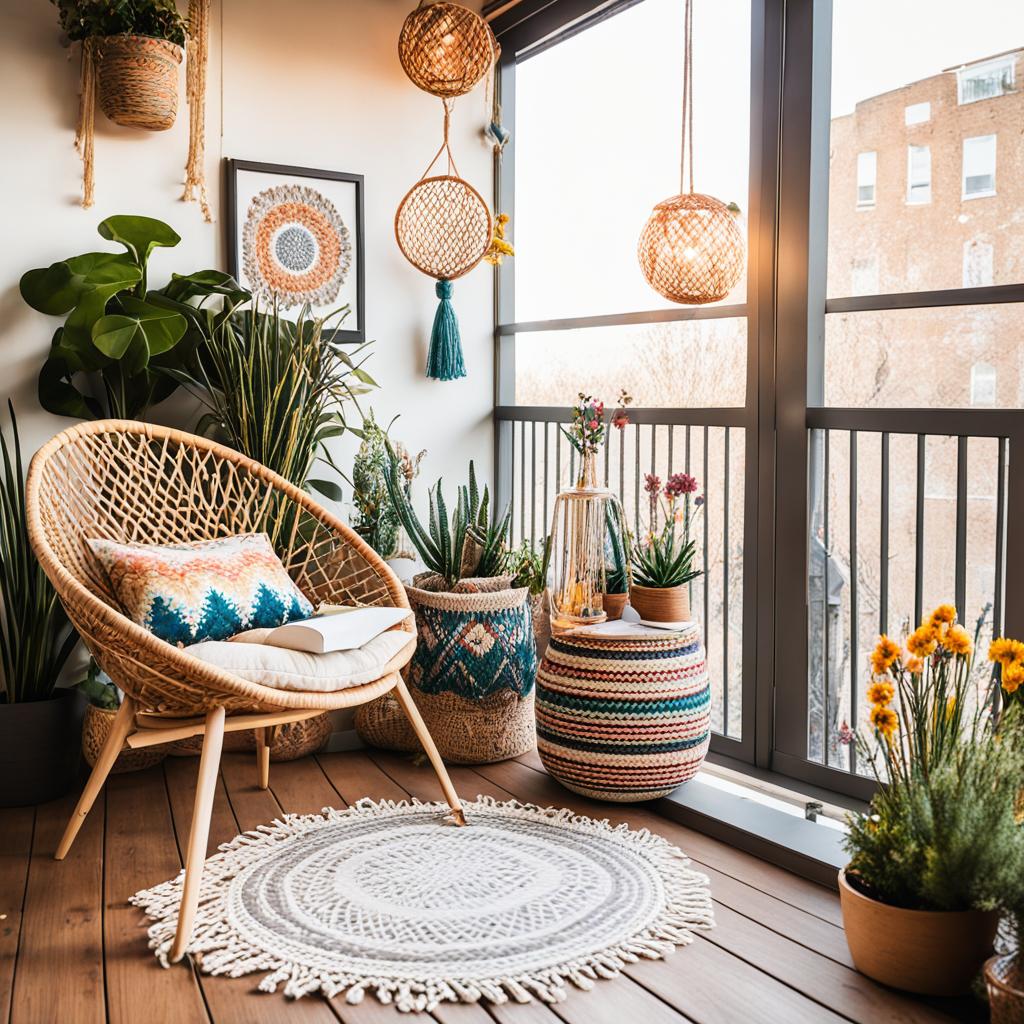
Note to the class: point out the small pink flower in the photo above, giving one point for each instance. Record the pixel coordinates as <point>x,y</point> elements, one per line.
<point>845,734</point>
<point>680,484</point>
<point>592,424</point>
<point>620,421</point>
<point>652,484</point>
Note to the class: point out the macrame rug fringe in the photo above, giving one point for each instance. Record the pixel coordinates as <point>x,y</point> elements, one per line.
<point>220,950</point>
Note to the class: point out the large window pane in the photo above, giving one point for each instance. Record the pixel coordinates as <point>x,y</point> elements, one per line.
<point>925,103</point>
<point>684,364</point>
<point>597,136</point>
<point>938,357</point>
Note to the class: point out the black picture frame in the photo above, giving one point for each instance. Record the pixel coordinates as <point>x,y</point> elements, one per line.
<point>232,168</point>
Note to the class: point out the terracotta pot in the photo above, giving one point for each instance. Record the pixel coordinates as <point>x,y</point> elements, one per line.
<point>613,605</point>
<point>661,604</point>
<point>930,952</point>
<point>137,78</point>
<point>1004,979</point>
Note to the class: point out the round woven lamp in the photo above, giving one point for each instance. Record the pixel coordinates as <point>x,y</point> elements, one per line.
<point>446,48</point>
<point>691,249</point>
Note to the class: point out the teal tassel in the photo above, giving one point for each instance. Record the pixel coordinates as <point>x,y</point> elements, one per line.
<point>444,361</point>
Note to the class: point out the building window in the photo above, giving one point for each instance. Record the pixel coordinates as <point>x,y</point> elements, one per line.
<point>917,113</point>
<point>919,174</point>
<point>864,276</point>
<point>983,81</point>
<point>867,168</point>
<point>983,384</point>
<point>977,264</point>
<point>979,166</point>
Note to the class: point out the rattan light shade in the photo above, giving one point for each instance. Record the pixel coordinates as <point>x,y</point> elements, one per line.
<point>443,227</point>
<point>446,48</point>
<point>691,249</point>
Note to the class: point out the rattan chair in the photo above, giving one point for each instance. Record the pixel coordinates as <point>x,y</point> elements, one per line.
<point>129,482</point>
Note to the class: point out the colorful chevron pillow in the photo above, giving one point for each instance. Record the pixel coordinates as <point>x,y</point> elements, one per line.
<point>207,590</point>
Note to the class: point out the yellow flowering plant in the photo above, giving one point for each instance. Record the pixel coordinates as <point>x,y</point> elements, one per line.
<point>1008,656</point>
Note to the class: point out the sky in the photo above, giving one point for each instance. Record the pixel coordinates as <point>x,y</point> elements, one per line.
<point>598,126</point>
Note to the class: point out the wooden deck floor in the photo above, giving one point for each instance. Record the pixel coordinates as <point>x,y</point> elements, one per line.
<point>73,951</point>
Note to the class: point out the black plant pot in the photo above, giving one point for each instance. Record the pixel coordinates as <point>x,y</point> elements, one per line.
<point>40,748</point>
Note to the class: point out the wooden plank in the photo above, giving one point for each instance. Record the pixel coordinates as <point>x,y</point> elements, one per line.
<point>354,775</point>
<point>539,787</point>
<point>417,778</point>
<point>16,827</point>
<point>237,1000</point>
<point>301,787</point>
<point>140,851</point>
<point>60,960</point>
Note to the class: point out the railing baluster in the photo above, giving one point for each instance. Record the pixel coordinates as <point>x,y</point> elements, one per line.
<point>704,482</point>
<point>558,457</point>
<point>636,475</point>
<point>572,466</point>
<point>654,451</point>
<point>533,483</point>
<point>707,588</point>
<point>607,453</point>
<point>854,624</point>
<point>883,554</point>
<point>997,597</point>
<point>960,582</point>
<point>826,731</point>
<point>545,524</point>
<point>671,440</point>
<point>922,442</point>
<point>725,585</point>
<point>512,474</point>
<point>522,485</point>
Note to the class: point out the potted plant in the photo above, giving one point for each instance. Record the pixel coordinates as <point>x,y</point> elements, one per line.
<point>107,358</point>
<point>39,723</point>
<point>617,573</point>
<point>472,674</point>
<point>375,519</point>
<point>137,46</point>
<point>529,567</point>
<point>662,562</point>
<point>939,847</point>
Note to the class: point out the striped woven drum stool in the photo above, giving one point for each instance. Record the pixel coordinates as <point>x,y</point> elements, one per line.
<point>623,719</point>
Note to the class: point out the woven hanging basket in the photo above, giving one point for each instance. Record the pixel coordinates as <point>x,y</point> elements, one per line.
<point>443,227</point>
<point>138,81</point>
<point>446,48</point>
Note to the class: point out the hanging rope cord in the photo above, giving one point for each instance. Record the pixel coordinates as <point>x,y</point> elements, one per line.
<point>686,143</point>
<point>452,170</point>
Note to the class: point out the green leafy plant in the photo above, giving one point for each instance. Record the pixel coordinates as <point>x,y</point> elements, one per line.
<point>469,543</point>
<point>665,556</point>
<point>618,553</point>
<point>274,389</point>
<point>99,689</point>
<point>84,19</point>
<point>35,635</point>
<point>529,565</point>
<point>375,520</point>
<point>107,358</point>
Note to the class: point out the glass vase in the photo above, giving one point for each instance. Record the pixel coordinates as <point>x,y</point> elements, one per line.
<point>578,533</point>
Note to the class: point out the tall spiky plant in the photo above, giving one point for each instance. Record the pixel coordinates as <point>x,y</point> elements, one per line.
<point>35,635</point>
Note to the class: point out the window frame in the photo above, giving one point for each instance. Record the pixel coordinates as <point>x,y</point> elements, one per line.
<point>964,177</point>
<point>867,204</point>
<point>926,198</point>
<point>1006,61</point>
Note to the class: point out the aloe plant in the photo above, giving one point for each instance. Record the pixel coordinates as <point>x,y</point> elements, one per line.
<point>35,635</point>
<point>115,338</point>
<point>467,543</point>
<point>616,573</point>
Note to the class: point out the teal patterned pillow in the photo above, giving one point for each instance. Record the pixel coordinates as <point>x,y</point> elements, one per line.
<point>207,590</point>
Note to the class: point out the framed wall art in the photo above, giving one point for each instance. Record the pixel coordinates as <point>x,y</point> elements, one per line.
<point>295,236</point>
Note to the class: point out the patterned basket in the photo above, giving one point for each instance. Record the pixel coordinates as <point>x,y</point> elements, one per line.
<point>95,730</point>
<point>293,740</point>
<point>138,81</point>
<point>471,676</point>
<point>623,720</point>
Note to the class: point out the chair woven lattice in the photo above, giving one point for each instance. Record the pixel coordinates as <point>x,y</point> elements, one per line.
<point>135,482</point>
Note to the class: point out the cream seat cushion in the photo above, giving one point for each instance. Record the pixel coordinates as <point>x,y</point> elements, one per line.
<point>249,658</point>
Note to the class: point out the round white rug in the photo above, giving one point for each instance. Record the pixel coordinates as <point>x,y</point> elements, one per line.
<point>391,898</point>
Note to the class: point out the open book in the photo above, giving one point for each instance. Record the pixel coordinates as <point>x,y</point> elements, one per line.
<point>335,628</point>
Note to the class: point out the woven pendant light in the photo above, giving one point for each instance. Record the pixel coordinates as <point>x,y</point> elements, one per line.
<point>446,48</point>
<point>444,228</point>
<point>691,249</point>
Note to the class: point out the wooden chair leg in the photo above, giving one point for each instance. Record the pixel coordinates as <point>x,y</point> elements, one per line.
<point>119,730</point>
<point>264,737</point>
<point>199,834</point>
<point>423,733</point>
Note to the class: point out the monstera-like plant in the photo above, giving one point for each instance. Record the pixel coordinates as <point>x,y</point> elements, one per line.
<point>107,358</point>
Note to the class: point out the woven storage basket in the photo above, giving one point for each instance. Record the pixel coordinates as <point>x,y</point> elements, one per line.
<point>95,730</point>
<point>623,720</point>
<point>293,740</point>
<point>471,676</point>
<point>138,81</point>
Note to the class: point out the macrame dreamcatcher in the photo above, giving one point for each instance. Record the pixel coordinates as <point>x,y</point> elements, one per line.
<point>443,225</point>
<point>137,86</point>
<point>691,250</point>
<point>444,229</point>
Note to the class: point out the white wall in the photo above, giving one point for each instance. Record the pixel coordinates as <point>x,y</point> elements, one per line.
<point>315,83</point>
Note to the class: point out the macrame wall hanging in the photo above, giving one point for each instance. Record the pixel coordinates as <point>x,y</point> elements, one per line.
<point>691,250</point>
<point>135,81</point>
<point>444,229</point>
<point>443,225</point>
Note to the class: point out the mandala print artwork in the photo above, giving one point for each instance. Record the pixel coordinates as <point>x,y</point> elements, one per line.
<point>295,247</point>
<point>388,898</point>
